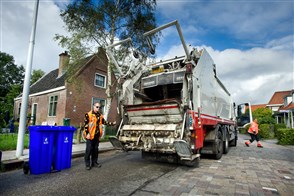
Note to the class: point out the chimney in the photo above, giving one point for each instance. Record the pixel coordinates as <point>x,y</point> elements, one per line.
<point>63,62</point>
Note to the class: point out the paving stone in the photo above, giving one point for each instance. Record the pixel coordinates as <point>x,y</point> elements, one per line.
<point>243,171</point>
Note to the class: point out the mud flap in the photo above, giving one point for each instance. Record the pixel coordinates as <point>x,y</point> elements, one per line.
<point>116,143</point>
<point>183,149</point>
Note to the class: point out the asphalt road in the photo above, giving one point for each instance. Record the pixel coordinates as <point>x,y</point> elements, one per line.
<point>243,171</point>
<point>121,174</point>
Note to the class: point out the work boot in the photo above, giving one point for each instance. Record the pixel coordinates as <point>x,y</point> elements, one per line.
<point>96,164</point>
<point>247,144</point>
<point>88,167</point>
<point>259,146</point>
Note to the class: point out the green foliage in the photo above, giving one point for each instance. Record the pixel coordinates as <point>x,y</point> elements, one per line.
<point>266,131</point>
<point>11,80</point>
<point>100,22</point>
<point>36,75</point>
<point>264,116</point>
<point>285,136</point>
<point>8,141</point>
<point>277,127</point>
<point>6,106</point>
<point>244,130</point>
<point>10,73</point>
<point>110,130</point>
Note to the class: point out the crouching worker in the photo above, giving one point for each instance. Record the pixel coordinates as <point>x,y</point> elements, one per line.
<point>253,131</point>
<point>93,132</point>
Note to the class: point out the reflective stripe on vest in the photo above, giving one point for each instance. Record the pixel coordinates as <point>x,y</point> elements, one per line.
<point>93,123</point>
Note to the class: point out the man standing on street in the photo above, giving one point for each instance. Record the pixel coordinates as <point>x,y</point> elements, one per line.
<point>253,131</point>
<point>93,132</point>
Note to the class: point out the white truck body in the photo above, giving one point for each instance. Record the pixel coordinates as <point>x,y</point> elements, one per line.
<point>177,107</point>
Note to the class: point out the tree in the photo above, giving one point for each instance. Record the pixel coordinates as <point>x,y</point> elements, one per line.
<point>264,116</point>
<point>10,73</point>
<point>11,81</point>
<point>37,74</point>
<point>101,22</point>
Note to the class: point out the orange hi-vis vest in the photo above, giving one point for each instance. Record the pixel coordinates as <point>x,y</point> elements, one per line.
<point>93,125</point>
<point>253,127</point>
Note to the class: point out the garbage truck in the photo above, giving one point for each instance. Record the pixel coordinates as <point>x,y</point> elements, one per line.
<point>174,109</point>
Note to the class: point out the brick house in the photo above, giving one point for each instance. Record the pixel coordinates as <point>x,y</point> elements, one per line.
<point>54,97</point>
<point>282,106</point>
<point>277,100</point>
<point>281,103</point>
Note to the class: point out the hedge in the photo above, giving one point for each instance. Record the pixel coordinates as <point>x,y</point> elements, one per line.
<point>244,130</point>
<point>266,131</point>
<point>277,127</point>
<point>285,136</point>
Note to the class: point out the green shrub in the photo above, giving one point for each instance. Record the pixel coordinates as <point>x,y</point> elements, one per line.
<point>277,127</point>
<point>285,136</point>
<point>110,130</point>
<point>244,130</point>
<point>266,131</point>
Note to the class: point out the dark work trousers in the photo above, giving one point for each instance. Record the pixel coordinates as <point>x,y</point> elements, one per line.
<point>91,154</point>
<point>254,137</point>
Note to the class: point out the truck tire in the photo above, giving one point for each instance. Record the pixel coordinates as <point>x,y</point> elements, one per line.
<point>226,143</point>
<point>233,142</point>
<point>219,146</point>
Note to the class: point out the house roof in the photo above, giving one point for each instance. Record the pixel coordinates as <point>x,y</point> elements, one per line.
<point>255,107</point>
<point>278,97</point>
<point>52,81</point>
<point>47,82</point>
<point>288,107</point>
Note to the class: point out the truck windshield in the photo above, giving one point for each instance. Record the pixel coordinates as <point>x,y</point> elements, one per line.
<point>243,115</point>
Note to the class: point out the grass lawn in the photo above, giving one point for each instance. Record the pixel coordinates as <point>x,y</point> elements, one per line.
<point>8,141</point>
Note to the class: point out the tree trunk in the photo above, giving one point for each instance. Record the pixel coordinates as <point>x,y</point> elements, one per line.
<point>109,83</point>
<point>108,94</point>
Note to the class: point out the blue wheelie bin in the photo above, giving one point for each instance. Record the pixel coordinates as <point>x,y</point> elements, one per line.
<point>41,149</point>
<point>63,147</point>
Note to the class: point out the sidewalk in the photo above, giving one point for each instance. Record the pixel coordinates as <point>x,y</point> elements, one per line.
<point>78,150</point>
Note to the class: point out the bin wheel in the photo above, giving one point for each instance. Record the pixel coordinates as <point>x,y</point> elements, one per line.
<point>26,168</point>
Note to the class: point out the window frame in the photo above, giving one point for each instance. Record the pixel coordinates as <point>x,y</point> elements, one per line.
<point>49,106</point>
<point>105,80</point>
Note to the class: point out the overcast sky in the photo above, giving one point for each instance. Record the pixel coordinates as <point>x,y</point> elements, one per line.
<point>251,42</point>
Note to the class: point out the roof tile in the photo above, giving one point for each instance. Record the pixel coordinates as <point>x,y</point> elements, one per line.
<point>278,97</point>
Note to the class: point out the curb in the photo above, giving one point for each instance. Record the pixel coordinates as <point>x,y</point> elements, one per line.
<point>18,163</point>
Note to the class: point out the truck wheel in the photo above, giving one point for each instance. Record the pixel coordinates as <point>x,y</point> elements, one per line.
<point>233,142</point>
<point>219,146</point>
<point>226,144</point>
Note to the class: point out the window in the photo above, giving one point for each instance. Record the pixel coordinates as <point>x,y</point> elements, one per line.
<point>100,80</point>
<point>52,105</point>
<point>19,107</point>
<point>101,101</point>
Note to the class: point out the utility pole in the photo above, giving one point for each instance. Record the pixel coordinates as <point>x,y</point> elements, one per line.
<point>26,87</point>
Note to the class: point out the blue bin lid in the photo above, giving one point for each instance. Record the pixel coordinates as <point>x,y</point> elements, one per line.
<point>51,128</point>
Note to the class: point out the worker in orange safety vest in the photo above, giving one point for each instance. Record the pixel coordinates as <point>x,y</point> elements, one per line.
<point>253,131</point>
<point>93,131</point>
